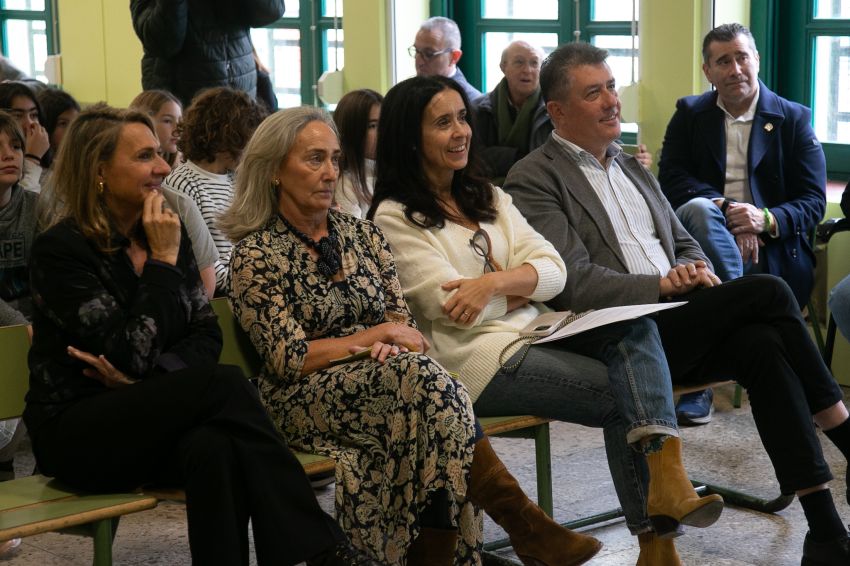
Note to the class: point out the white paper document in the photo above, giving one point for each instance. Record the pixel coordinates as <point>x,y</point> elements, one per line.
<point>595,318</point>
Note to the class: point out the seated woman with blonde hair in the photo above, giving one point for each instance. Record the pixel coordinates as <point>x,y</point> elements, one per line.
<point>125,389</point>
<point>312,286</point>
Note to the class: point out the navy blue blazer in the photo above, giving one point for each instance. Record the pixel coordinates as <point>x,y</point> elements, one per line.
<point>787,171</point>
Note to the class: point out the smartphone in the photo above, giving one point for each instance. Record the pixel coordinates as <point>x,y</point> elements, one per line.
<point>547,323</point>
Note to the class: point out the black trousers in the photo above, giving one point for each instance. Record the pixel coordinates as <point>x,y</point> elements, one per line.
<point>751,330</point>
<point>206,430</point>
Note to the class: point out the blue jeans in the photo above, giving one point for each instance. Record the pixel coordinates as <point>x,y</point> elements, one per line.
<point>839,306</point>
<point>704,221</point>
<point>630,400</point>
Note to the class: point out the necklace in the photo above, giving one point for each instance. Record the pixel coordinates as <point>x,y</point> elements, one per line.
<point>327,247</point>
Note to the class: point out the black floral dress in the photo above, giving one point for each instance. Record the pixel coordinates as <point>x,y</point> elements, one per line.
<point>398,430</point>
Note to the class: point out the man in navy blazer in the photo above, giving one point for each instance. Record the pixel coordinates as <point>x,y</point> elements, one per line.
<point>746,175</point>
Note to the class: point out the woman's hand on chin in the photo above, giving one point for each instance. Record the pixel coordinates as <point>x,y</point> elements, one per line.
<point>101,369</point>
<point>162,227</point>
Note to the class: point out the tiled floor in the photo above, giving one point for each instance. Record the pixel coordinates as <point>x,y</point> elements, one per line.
<point>727,451</point>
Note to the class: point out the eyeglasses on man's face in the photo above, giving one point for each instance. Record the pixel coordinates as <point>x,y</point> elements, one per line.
<point>480,242</point>
<point>427,54</point>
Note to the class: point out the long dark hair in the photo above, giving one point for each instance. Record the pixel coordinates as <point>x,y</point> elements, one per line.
<point>400,175</point>
<point>352,120</point>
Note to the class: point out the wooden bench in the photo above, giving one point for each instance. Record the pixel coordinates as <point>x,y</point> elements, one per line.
<point>37,504</point>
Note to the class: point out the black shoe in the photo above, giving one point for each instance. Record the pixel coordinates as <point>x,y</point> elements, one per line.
<point>343,554</point>
<point>322,480</point>
<point>695,408</point>
<point>835,552</point>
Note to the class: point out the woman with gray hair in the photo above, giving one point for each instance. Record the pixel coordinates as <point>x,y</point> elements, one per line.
<point>345,372</point>
<point>314,288</point>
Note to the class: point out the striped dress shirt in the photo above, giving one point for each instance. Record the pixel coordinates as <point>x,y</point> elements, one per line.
<point>627,210</point>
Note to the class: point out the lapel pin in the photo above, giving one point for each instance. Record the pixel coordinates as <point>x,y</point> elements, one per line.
<point>768,127</point>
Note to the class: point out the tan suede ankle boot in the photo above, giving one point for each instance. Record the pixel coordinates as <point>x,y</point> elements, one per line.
<point>433,547</point>
<point>536,538</point>
<point>672,499</point>
<point>655,551</point>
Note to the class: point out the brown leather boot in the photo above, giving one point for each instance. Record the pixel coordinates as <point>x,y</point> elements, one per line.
<point>672,499</point>
<point>536,538</point>
<point>433,547</point>
<point>655,551</point>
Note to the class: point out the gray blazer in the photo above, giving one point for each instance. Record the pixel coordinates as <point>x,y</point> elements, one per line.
<point>554,195</point>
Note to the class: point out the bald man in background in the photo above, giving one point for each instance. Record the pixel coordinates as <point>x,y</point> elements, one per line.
<point>512,118</point>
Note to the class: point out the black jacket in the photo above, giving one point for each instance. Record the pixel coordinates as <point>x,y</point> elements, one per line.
<point>194,44</point>
<point>498,158</point>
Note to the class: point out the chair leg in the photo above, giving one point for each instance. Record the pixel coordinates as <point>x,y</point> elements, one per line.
<point>814,320</point>
<point>103,533</point>
<point>543,457</point>
<point>829,346</point>
<point>736,398</point>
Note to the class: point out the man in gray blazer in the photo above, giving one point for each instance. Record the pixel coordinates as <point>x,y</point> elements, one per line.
<point>623,244</point>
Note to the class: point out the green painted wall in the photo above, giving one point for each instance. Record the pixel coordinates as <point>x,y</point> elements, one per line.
<point>369,54</point>
<point>670,34</point>
<point>100,52</point>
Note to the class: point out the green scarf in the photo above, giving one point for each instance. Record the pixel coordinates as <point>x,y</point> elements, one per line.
<point>515,132</point>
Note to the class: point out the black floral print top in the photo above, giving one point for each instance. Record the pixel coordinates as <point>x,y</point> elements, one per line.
<point>159,321</point>
<point>283,301</point>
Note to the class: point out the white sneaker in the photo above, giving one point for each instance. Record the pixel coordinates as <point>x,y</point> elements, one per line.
<point>9,545</point>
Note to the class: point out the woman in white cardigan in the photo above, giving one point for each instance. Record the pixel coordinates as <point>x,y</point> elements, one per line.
<point>475,273</point>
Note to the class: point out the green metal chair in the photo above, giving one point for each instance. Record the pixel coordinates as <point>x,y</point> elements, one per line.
<point>38,504</point>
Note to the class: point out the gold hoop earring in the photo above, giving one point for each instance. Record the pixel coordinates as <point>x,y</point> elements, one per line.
<point>100,187</point>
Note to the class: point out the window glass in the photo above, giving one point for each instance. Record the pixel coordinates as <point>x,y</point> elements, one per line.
<point>831,106</point>
<point>334,48</point>
<point>613,10</point>
<point>520,9</point>
<point>622,59</point>
<point>26,42</point>
<point>280,50</point>
<point>328,8</point>
<point>22,4</point>
<point>495,43</point>
<point>832,9</point>
<point>293,9</point>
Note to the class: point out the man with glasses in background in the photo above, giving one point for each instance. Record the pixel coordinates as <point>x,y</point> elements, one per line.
<point>437,51</point>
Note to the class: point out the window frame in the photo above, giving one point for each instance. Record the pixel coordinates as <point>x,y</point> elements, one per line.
<point>794,78</point>
<point>312,42</point>
<point>473,26</point>
<point>48,16</point>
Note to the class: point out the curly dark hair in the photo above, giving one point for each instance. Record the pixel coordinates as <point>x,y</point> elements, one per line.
<point>400,174</point>
<point>219,120</point>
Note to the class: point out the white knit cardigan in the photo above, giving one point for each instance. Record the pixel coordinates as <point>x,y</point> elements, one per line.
<point>427,258</point>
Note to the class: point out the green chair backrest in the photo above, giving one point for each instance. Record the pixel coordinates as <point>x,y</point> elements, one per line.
<point>237,348</point>
<point>14,345</point>
<point>14,372</point>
